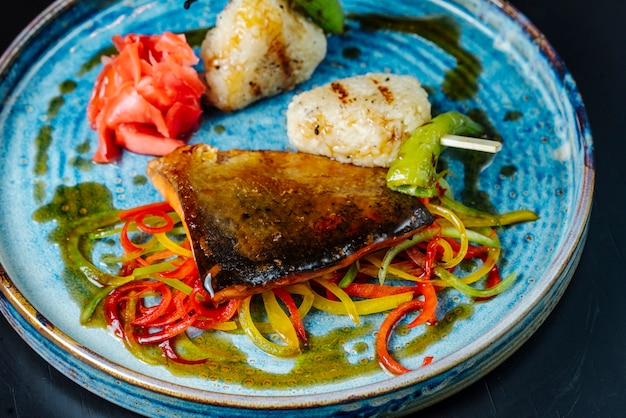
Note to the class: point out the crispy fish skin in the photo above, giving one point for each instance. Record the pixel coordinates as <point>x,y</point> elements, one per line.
<point>261,219</point>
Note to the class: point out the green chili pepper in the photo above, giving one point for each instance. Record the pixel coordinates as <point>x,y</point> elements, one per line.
<point>414,171</point>
<point>327,14</point>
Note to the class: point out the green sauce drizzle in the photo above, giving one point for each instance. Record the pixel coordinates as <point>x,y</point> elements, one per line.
<point>195,37</point>
<point>42,144</point>
<point>461,82</point>
<point>512,116</point>
<point>140,180</point>
<point>96,59</point>
<point>351,52</point>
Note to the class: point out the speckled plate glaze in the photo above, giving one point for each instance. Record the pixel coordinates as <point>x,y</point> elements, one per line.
<point>524,92</point>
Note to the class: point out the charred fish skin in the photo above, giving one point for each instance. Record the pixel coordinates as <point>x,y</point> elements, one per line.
<point>269,218</point>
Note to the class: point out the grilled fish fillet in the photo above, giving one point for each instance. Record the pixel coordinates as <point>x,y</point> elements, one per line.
<point>258,48</point>
<point>261,219</point>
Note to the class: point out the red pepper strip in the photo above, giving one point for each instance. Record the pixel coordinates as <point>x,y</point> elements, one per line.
<point>222,313</point>
<point>493,278</point>
<point>429,306</point>
<point>416,255</point>
<point>384,358</point>
<point>431,252</point>
<point>155,312</point>
<point>179,308</point>
<point>169,222</point>
<point>473,251</point>
<point>171,354</point>
<point>427,360</point>
<point>127,244</point>
<point>131,213</point>
<point>169,331</point>
<point>371,290</point>
<point>111,312</point>
<point>294,315</point>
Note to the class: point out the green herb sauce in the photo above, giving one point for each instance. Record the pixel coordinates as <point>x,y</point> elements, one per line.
<point>69,207</point>
<point>195,37</point>
<point>508,171</point>
<point>42,145</point>
<point>96,59</point>
<point>512,116</point>
<point>461,82</point>
<point>83,148</point>
<point>67,86</point>
<point>54,105</point>
<point>140,180</point>
<point>351,52</point>
<point>81,163</point>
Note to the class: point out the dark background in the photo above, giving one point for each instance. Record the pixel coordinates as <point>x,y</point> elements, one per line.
<point>575,365</point>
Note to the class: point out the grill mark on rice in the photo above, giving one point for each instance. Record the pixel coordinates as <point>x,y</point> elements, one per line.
<point>340,91</point>
<point>387,94</point>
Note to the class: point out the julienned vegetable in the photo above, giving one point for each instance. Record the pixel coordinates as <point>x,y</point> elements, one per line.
<point>157,296</point>
<point>414,171</point>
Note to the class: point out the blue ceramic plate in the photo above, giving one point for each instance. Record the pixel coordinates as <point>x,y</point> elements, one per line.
<point>508,75</point>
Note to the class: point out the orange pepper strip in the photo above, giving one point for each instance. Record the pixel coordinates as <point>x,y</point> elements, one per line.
<point>127,244</point>
<point>384,358</point>
<point>371,290</point>
<point>429,307</point>
<point>139,220</point>
<point>187,268</point>
<point>163,255</point>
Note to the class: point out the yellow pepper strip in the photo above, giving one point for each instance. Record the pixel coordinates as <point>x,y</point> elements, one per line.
<point>350,307</point>
<point>448,252</point>
<point>451,280</point>
<point>280,320</point>
<point>307,297</point>
<point>153,268</point>
<point>363,307</point>
<point>172,246</point>
<point>225,326</point>
<point>492,257</point>
<point>178,285</point>
<point>393,271</point>
<point>249,327</point>
<point>458,224</point>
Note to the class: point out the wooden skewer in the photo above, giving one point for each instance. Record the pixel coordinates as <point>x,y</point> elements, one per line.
<point>475,144</point>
